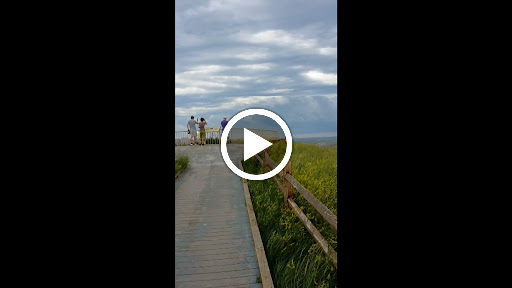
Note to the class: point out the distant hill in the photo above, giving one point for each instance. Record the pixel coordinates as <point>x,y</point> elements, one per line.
<point>316,139</point>
<point>319,141</point>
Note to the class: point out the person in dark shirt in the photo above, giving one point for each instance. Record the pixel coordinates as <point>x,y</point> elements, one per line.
<point>223,125</point>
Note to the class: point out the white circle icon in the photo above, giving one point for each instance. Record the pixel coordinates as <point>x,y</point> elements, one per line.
<point>224,138</point>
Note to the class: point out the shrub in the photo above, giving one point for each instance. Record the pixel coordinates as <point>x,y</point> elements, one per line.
<point>180,164</point>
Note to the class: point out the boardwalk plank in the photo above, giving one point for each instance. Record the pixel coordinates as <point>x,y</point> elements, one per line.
<point>233,251</point>
<point>243,281</point>
<point>216,268</point>
<point>204,260</point>
<point>220,262</point>
<point>215,244</point>
<point>218,276</point>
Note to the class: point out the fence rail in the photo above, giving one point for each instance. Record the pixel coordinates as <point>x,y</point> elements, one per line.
<point>236,135</point>
<point>289,183</point>
<point>182,138</point>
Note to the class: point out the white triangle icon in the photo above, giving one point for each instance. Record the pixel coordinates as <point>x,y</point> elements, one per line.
<point>253,144</point>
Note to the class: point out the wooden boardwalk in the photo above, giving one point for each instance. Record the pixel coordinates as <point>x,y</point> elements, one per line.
<point>214,244</point>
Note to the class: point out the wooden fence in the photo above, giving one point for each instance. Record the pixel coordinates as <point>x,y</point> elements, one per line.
<point>289,184</point>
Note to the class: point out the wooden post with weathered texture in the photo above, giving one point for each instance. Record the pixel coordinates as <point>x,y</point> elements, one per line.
<point>265,157</point>
<point>288,188</point>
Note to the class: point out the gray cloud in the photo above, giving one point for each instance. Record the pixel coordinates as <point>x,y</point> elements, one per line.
<point>278,55</point>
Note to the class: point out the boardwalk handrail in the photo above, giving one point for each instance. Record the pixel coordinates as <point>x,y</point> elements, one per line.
<point>287,191</point>
<point>182,138</point>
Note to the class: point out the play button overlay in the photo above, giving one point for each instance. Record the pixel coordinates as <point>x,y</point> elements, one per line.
<point>253,144</point>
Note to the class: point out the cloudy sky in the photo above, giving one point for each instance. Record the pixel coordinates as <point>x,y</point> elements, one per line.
<point>278,55</point>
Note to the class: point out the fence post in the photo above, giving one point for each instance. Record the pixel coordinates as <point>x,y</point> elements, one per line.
<point>265,155</point>
<point>288,188</point>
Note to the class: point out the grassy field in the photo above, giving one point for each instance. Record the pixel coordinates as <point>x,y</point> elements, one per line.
<point>180,164</point>
<point>294,258</point>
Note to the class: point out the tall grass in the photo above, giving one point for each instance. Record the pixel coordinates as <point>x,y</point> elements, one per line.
<point>180,164</point>
<point>295,259</point>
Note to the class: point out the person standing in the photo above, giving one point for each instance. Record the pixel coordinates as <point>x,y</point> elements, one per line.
<point>191,126</point>
<point>202,132</point>
<point>223,125</point>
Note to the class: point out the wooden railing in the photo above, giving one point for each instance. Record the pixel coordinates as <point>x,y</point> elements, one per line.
<point>289,183</point>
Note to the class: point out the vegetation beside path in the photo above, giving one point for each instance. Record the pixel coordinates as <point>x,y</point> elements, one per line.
<point>180,164</point>
<point>294,258</point>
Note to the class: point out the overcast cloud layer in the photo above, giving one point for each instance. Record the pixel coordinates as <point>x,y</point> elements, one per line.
<point>279,55</point>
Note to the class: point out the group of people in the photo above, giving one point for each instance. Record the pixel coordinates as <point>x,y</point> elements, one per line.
<point>192,130</point>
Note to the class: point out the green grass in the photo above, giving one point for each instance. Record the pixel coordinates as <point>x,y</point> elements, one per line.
<point>180,164</point>
<point>294,258</point>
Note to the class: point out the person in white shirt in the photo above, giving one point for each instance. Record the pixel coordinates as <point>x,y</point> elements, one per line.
<point>191,126</point>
